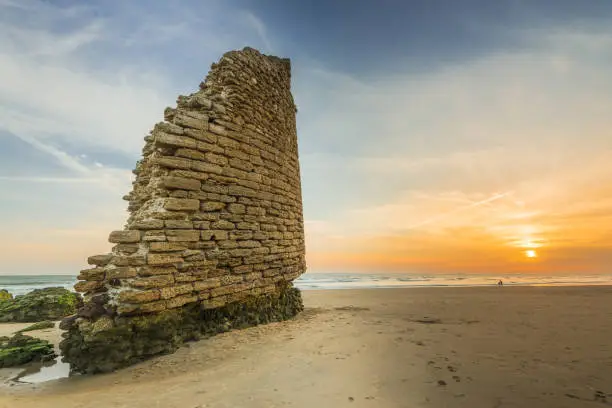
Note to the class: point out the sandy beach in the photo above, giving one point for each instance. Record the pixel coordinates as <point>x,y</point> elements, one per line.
<point>426,347</point>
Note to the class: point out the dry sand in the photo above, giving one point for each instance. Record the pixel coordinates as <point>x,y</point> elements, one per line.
<point>427,347</point>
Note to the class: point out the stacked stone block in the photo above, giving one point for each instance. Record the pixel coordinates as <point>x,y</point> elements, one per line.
<point>216,206</point>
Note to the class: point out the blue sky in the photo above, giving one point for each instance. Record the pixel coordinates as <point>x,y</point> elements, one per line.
<point>409,111</point>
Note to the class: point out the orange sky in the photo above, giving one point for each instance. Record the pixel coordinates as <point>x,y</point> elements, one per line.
<point>564,217</point>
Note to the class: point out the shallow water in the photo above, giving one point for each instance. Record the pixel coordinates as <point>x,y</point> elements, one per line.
<point>41,372</point>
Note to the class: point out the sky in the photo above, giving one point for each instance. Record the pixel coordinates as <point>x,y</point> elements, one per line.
<point>435,136</point>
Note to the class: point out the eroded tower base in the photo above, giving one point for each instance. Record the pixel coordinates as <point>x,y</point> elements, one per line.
<point>108,344</point>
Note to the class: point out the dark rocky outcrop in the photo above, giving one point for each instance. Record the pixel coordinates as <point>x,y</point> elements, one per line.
<point>21,349</point>
<point>108,344</point>
<point>39,305</point>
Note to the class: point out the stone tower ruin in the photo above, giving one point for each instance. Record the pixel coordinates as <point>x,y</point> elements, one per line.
<point>215,234</point>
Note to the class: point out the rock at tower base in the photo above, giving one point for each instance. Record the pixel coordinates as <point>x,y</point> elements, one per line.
<point>106,344</point>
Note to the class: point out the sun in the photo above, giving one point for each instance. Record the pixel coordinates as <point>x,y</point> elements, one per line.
<point>530,253</point>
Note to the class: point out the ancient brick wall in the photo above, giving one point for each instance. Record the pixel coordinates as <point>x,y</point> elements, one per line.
<point>216,207</point>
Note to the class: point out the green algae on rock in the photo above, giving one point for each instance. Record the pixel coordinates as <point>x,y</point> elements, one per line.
<point>47,324</point>
<point>40,304</point>
<point>5,295</point>
<point>21,349</point>
<point>110,343</point>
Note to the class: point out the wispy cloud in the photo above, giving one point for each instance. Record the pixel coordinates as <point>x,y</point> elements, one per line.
<point>260,28</point>
<point>68,180</point>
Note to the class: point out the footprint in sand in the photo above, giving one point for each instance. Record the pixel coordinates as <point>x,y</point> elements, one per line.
<point>428,320</point>
<point>352,308</point>
<point>600,396</point>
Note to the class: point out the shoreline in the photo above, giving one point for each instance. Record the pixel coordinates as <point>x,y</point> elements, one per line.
<point>20,284</point>
<point>510,285</point>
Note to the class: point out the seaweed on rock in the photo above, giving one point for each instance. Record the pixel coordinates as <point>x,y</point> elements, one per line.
<point>40,304</point>
<point>21,349</point>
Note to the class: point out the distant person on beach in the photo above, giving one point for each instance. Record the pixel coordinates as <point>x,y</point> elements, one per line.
<point>500,283</point>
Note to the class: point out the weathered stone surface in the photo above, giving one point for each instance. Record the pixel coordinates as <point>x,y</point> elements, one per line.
<point>88,286</point>
<point>223,225</point>
<point>206,167</point>
<point>182,235</point>
<point>191,119</point>
<point>94,274</point>
<point>214,235</point>
<point>154,236</point>
<point>100,260</point>
<point>129,260</point>
<point>167,246</point>
<point>181,204</point>
<point>163,259</point>
<point>211,206</point>
<point>152,270</point>
<point>215,214</point>
<point>182,183</point>
<point>158,281</point>
<point>134,296</point>
<point>173,162</point>
<point>174,140</point>
<point>206,284</point>
<point>120,273</point>
<point>236,208</point>
<point>180,301</point>
<point>125,248</point>
<point>168,127</point>
<point>147,224</point>
<point>124,237</point>
<point>152,307</point>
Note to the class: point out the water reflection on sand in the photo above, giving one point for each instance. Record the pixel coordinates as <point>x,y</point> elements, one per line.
<point>41,372</point>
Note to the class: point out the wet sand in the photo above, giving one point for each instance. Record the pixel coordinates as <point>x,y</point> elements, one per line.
<point>423,347</point>
<point>52,335</point>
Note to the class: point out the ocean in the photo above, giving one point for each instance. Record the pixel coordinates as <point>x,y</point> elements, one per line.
<point>21,284</point>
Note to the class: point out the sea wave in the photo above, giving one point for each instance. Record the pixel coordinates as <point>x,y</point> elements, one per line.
<point>311,281</point>
<point>19,284</point>
<point>22,284</point>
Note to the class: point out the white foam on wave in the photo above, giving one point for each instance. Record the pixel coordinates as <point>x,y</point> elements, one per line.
<point>310,281</point>
<point>19,285</point>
